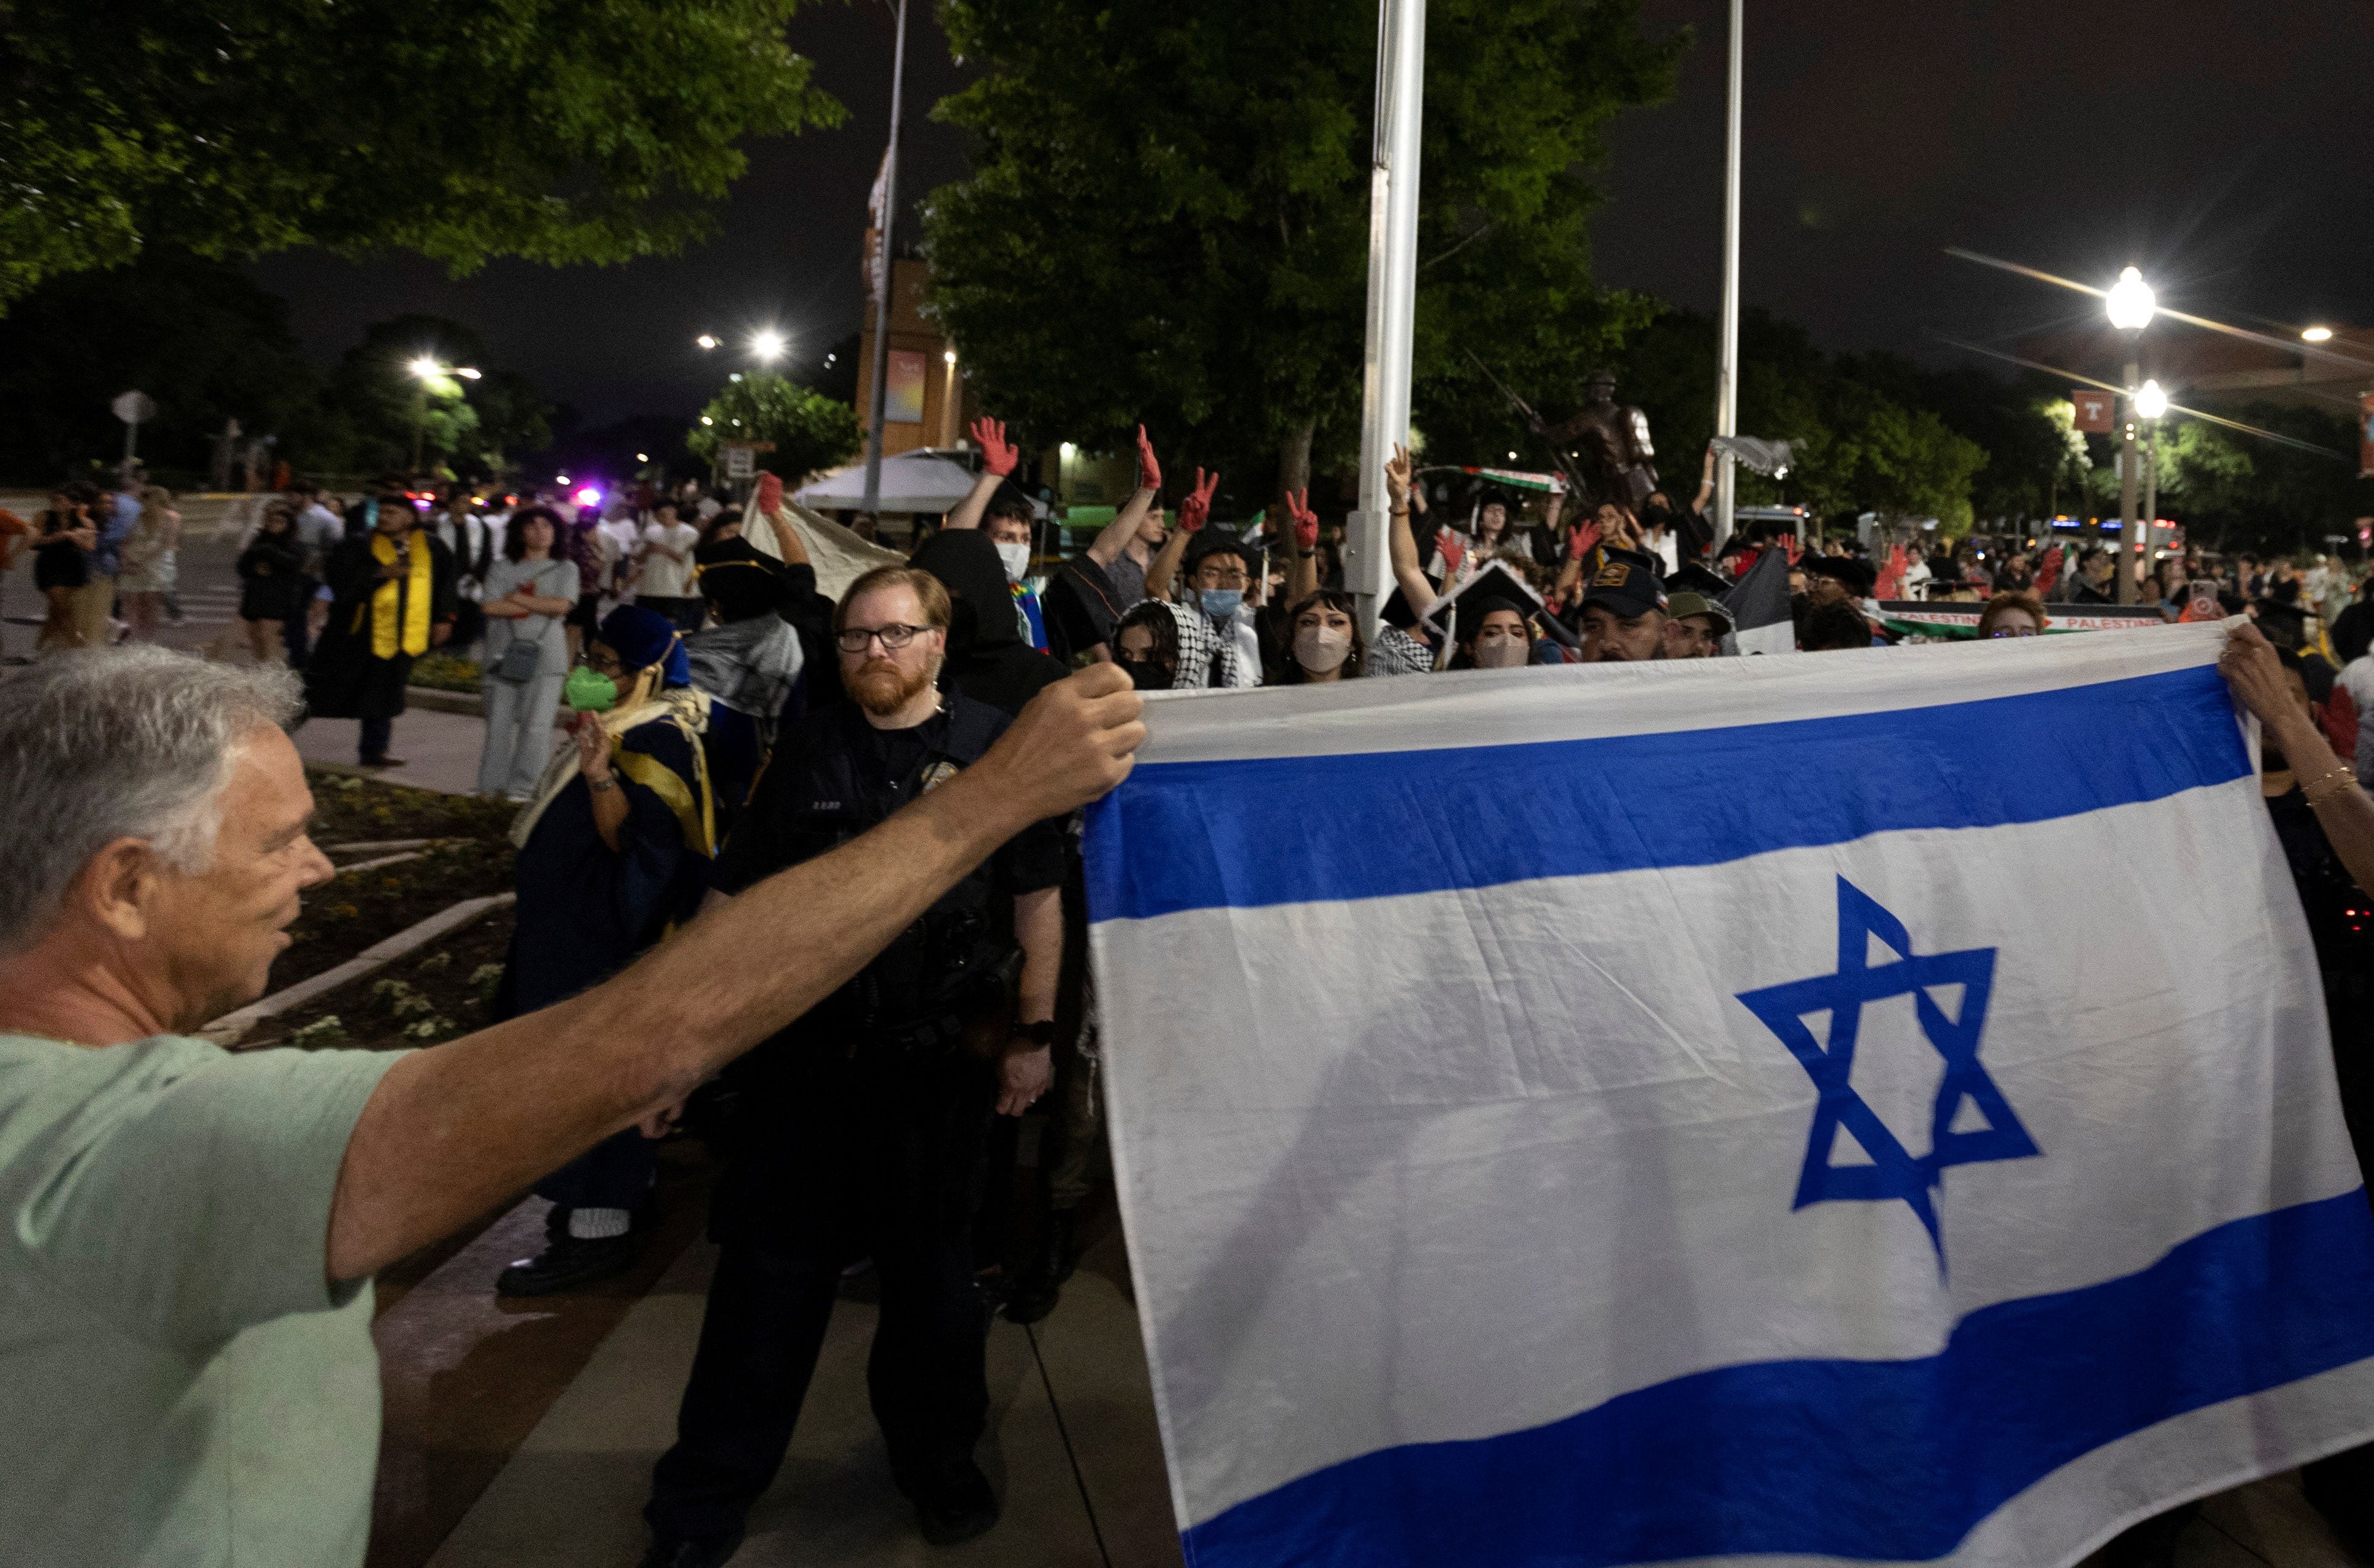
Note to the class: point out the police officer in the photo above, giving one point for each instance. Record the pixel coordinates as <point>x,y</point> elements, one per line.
<point>860,1130</point>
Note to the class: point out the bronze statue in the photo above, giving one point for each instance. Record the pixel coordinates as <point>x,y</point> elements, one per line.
<point>1611,446</point>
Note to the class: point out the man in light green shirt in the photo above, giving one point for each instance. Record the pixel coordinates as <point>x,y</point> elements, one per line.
<point>188,1236</point>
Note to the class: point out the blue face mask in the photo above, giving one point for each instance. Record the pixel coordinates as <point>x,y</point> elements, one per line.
<point>1221,603</point>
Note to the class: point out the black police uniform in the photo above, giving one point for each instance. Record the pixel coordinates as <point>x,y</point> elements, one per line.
<point>858,1132</point>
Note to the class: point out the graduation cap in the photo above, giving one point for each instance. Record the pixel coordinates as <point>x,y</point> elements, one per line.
<point>1859,576</point>
<point>1495,587</point>
<point>1692,578</point>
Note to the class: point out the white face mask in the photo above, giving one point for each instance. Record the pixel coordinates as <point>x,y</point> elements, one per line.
<point>1016,558</point>
<point>1504,652</point>
<point>1322,648</point>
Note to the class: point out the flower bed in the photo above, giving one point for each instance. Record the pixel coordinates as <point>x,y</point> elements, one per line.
<point>445,672</point>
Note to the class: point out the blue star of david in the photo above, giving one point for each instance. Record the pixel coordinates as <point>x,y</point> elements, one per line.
<point>1894,1173</point>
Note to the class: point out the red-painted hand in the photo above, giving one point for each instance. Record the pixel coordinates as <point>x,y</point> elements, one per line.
<point>769,497</point>
<point>1790,544</point>
<point>998,455</point>
<point>1195,506</point>
<point>1584,540</point>
<point>1453,552</point>
<point>1306,522</point>
<point>1149,471</point>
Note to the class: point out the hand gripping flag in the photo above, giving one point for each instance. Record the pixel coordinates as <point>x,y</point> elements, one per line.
<point>1808,1111</point>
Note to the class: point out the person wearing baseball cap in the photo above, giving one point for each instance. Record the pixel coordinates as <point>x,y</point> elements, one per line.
<point>1624,610</point>
<point>1696,625</point>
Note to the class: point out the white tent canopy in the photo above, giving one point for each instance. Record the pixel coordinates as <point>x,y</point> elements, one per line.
<point>912,481</point>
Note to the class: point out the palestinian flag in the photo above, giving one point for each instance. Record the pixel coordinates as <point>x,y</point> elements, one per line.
<point>1759,607</point>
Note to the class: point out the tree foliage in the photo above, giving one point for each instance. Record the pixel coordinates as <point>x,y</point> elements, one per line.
<point>197,335</point>
<point>2235,490</point>
<point>461,129</point>
<point>810,430</point>
<point>1167,216</point>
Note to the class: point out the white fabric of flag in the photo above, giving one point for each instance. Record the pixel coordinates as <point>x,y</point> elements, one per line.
<point>1867,1109</point>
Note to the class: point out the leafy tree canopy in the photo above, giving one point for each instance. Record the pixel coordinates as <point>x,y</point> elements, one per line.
<point>197,335</point>
<point>461,129</point>
<point>810,430</point>
<point>1168,216</point>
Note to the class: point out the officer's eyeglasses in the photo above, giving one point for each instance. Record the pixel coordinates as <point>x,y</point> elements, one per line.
<point>854,639</point>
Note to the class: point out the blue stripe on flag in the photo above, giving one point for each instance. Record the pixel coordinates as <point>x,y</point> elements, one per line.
<point>1866,1460</point>
<point>1255,831</point>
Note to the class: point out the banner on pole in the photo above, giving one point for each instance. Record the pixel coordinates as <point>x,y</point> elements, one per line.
<point>2096,410</point>
<point>1650,1112</point>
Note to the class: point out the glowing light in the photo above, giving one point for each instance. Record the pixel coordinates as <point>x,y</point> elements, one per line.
<point>706,340</point>
<point>642,457</point>
<point>467,373</point>
<point>425,368</point>
<point>589,496</point>
<point>561,478</point>
<point>735,376</point>
<point>2150,401</point>
<point>707,421</point>
<point>950,356</point>
<point>767,344</point>
<point>1067,450</point>
<point>2131,301</point>
<point>2316,335</point>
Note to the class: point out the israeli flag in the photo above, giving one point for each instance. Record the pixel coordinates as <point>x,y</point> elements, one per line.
<point>1868,1109</point>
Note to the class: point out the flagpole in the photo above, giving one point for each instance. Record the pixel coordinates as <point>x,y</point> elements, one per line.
<point>1392,295</point>
<point>882,277</point>
<point>1726,395</point>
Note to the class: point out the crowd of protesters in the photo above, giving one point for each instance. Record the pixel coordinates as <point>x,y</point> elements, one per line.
<point>726,720</point>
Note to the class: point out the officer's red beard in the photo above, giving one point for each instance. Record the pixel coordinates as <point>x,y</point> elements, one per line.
<point>882,687</point>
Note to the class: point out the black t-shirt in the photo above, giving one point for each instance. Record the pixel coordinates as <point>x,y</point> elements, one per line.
<point>783,825</point>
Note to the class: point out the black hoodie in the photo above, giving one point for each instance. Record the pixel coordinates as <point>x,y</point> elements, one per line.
<point>988,660</point>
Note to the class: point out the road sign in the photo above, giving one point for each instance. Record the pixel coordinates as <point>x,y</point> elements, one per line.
<point>739,463</point>
<point>2096,410</point>
<point>134,407</point>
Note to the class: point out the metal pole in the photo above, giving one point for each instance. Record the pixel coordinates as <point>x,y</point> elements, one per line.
<point>2130,528</point>
<point>1392,295</point>
<point>131,441</point>
<point>2151,485</point>
<point>882,284</point>
<point>1726,386</point>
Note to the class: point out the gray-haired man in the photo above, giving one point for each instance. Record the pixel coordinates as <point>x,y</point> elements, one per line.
<point>188,1236</point>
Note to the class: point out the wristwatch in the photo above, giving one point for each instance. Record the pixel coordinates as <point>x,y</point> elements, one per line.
<point>606,781</point>
<point>1039,1034</point>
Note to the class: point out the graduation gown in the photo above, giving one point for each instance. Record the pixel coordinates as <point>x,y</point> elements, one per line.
<point>360,668</point>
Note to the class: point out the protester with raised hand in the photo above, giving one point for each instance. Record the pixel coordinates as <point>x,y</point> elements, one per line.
<point>1400,650</point>
<point>2253,668</point>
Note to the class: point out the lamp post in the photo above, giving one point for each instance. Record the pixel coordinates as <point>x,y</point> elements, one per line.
<point>886,266</point>
<point>2151,402</point>
<point>424,371</point>
<point>2131,305</point>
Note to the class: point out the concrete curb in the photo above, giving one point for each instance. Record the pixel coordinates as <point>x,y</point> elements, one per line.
<point>230,1028</point>
<point>440,701</point>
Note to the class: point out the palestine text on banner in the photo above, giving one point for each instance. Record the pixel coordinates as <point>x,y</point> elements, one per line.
<point>1868,1109</point>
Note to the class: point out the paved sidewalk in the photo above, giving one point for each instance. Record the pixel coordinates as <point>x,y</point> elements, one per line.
<point>571,1494</point>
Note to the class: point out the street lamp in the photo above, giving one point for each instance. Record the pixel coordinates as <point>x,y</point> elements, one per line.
<point>706,340</point>
<point>2316,335</point>
<point>768,345</point>
<point>2151,402</point>
<point>2131,305</point>
<point>424,371</point>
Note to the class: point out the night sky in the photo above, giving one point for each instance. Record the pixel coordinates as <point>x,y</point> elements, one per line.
<point>2212,143</point>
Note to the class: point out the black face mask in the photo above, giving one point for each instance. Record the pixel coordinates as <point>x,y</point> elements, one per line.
<point>1145,674</point>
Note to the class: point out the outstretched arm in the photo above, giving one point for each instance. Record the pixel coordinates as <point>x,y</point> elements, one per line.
<point>1706,482</point>
<point>1302,571</point>
<point>1118,533</point>
<point>1194,511</point>
<point>1401,543</point>
<point>449,1132</point>
<point>998,460</point>
<point>2342,808</point>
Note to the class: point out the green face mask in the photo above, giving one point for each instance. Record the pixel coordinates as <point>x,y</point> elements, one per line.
<point>589,690</point>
